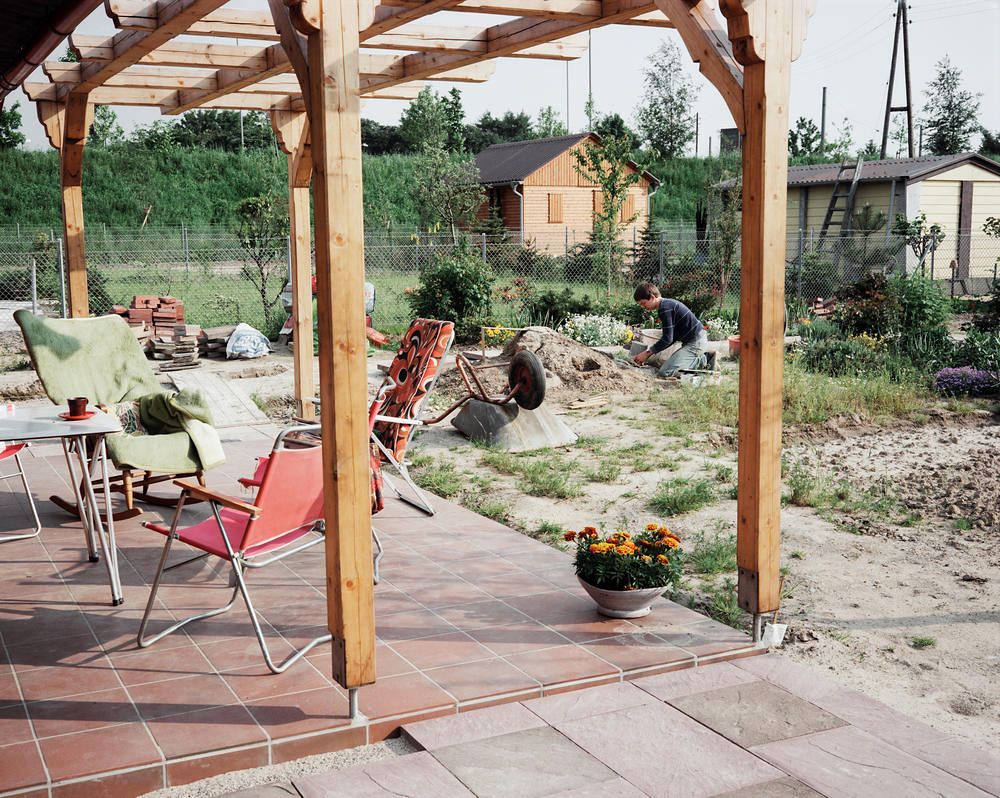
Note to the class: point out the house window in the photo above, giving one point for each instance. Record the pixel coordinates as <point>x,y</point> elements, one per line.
<point>628,209</point>
<point>555,208</point>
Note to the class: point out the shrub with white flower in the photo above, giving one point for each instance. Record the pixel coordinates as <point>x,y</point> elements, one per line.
<point>596,330</point>
<point>719,328</point>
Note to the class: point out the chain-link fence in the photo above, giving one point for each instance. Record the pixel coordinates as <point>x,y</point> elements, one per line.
<point>221,280</point>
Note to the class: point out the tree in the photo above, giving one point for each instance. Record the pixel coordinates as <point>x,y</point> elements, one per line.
<point>454,118</point>
<point>950,113</point>
<point>105,131</point>
<point>614,125</point>
<point>920,237</point>
<point>609,166</point>
<point>423,122</point>
<point>726,224</point>
<point>379,139</point>
<point>11,136</point>
<point>842,144</point>
<point>158,136</point>
<point>900,136</point>
<point>870,151</point>
<point>990,144</point>
<point>221,130</point>
<point>804,138</point>
<point>262,232</point>
<point>447,189</point>
<point>665,118</point>
<point>549,124</point>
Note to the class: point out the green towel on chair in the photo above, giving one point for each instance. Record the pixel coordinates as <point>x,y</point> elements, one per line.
<point>185,411</point>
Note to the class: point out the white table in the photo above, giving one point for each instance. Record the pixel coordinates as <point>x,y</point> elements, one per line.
<point>42,423</point>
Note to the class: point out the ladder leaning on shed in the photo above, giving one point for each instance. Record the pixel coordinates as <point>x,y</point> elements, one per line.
<point>841,207</point>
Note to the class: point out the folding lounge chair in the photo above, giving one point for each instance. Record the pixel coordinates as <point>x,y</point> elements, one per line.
<point>287,508</point>
<point>406,387</point>
<point>14,450</point>
<point>99,358</point>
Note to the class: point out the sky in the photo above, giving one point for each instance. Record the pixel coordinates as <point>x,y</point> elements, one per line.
<point>847,50</point>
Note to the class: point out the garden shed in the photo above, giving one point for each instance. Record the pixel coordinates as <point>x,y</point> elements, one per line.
<point>533,187</point>
<point>956,192</point>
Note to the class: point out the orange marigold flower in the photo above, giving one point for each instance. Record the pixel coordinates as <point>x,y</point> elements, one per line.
<point>672,543</point>
<point>664,531</point>
<point>569,535</point>
<point>652,527</point>
<point>646,558</point>
<point>625,548</point>
<point>663,559</point>
<point>590,530</point>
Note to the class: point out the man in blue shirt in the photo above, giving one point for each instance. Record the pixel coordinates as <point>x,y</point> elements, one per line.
<point>679,324</point>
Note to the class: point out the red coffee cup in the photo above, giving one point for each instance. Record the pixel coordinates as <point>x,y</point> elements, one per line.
<point>77,405</point>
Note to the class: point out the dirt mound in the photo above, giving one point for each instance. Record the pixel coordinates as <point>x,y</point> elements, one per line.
<point>571,368</point>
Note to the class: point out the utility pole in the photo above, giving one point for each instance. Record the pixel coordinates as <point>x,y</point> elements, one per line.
<point>822,124</point>
<point>920,149</point>
<point>590,84</point>
<point>696,120</point>
<point>902,27</point>
<point>568,128</point>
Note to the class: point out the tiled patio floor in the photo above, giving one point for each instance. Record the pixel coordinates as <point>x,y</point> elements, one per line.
<point>468,614</point>
<point>754,728</point>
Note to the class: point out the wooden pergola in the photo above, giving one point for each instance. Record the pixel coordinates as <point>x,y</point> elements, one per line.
<point>311,63</point>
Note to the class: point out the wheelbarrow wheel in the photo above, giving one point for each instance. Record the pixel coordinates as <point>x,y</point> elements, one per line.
<point>526,377</point>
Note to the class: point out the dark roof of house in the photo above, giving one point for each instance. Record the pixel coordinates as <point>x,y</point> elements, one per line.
<point>906,169</point>
<point>513,161</point>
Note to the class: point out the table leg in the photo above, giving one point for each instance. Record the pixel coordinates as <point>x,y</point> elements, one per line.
<point>107,541</point>
<point>71,446</point>
<point>116,586</point>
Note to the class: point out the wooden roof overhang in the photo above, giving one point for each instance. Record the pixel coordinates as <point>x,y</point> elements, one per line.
<point>340,51</point>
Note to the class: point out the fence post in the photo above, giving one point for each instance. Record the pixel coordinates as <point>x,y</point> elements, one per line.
<point>659,278</point>
<point>565,240</point>
<point>483,245</point>
<point>187,248</point>
<point>802,255</point>
<point>34,286</point>
<point>933,250</point>
<point>62,279</point>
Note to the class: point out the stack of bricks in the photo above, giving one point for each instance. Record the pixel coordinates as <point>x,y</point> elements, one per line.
<point>182,351</point>
<point>160,314</point>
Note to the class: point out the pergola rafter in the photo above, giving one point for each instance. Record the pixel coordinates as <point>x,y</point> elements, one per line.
<point>309,64</point>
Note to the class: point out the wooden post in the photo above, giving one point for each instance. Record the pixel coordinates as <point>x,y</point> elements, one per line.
<point>292,131</point>
<point>331,28</point>
<point>79,115</point>
<point>766,76</point>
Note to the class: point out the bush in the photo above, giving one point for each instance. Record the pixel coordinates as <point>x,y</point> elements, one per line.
<point>818,330</point>
<point>812,277</point>
<point>966,380</point>
<point>922,306</point>
<point>693,289</point>
<point>456,286</point>
<point>596,330</point>
<point>840,358</point>
<point>868,306</point>
<point>980,350</point>
<point>987,315</point>
<point>552,308</point>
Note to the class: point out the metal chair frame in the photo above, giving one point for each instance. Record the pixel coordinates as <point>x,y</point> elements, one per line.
<point>27,492</point>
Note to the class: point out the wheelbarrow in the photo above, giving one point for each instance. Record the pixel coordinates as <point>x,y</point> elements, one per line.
<point>525,383</point>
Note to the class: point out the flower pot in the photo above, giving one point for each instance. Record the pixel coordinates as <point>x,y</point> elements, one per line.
<point>734,344</point>
<point>623,603</point>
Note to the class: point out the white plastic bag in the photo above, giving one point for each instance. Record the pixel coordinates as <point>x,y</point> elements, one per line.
<point>246,343</point>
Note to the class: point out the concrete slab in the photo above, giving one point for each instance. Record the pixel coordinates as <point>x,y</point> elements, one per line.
<point>471,726</point>
<point>526,764</point>
<point>693,680</point>
<point>781,788</point>
<point>512,428</point>
<point>756,713</point>
<point>414,775</point>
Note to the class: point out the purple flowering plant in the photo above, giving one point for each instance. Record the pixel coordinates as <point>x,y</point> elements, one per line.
<point>966,380</point>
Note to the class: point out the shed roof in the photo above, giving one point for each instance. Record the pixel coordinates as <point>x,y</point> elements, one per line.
<point>513,161</point>
<point>907,169</point>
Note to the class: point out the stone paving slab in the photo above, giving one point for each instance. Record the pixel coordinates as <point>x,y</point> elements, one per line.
<point>781,788</point>
<point>413,775</point>
<point>756,713</point>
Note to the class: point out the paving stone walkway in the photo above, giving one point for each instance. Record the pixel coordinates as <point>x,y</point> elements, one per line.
<point>762,727</point>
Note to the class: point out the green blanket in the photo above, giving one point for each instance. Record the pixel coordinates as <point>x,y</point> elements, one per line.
<point>166,411</point>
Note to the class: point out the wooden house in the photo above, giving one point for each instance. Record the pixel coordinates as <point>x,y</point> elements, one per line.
<point>957,192</point>
<point>535,189</point>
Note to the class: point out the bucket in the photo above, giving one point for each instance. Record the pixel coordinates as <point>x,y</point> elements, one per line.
<point>734,345</point>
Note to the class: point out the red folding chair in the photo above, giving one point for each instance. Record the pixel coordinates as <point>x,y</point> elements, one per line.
<point>8,450</point>
<point>287,508</point>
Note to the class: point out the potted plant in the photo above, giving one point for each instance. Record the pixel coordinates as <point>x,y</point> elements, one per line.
<point>626,573</point>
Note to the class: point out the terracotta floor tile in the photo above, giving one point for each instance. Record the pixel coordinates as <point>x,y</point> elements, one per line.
<point>14,725</point>
<point>665,686</point>
<point>65,680</point>
<point>411,625</point>
<point>485,679</point>
<point>518,637</point>
<point>56,651</point>
<point>562,664</point>
<point>447,591</point>
<point>515,585</point>
<point>553,606</point>
<point>242,652</point>
<point>258,682</point>
<point>586,626</point>
<point>389,601</point>
<point>702,763</point>
<point>586,703</point>
<point>205,730</point>
<point>81,713</point>
<point>300,713</point>
<point>20,766</point>
<point>440,650</point>
<point>840,761</point>
<point>465,727</point>
<point>483,568</point>
<point>186,694</point>
<point>482,614</point>
<point>415,775</point>
<point>155,665</point>
<point>398,695</point>
<point>117,747</point>
<point>638,650</point>
<point>140,781</point>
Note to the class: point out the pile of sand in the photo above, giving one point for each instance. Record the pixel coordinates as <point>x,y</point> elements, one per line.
<point>572,369</point>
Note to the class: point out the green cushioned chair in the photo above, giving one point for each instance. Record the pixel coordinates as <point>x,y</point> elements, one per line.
<point>100,358</point>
